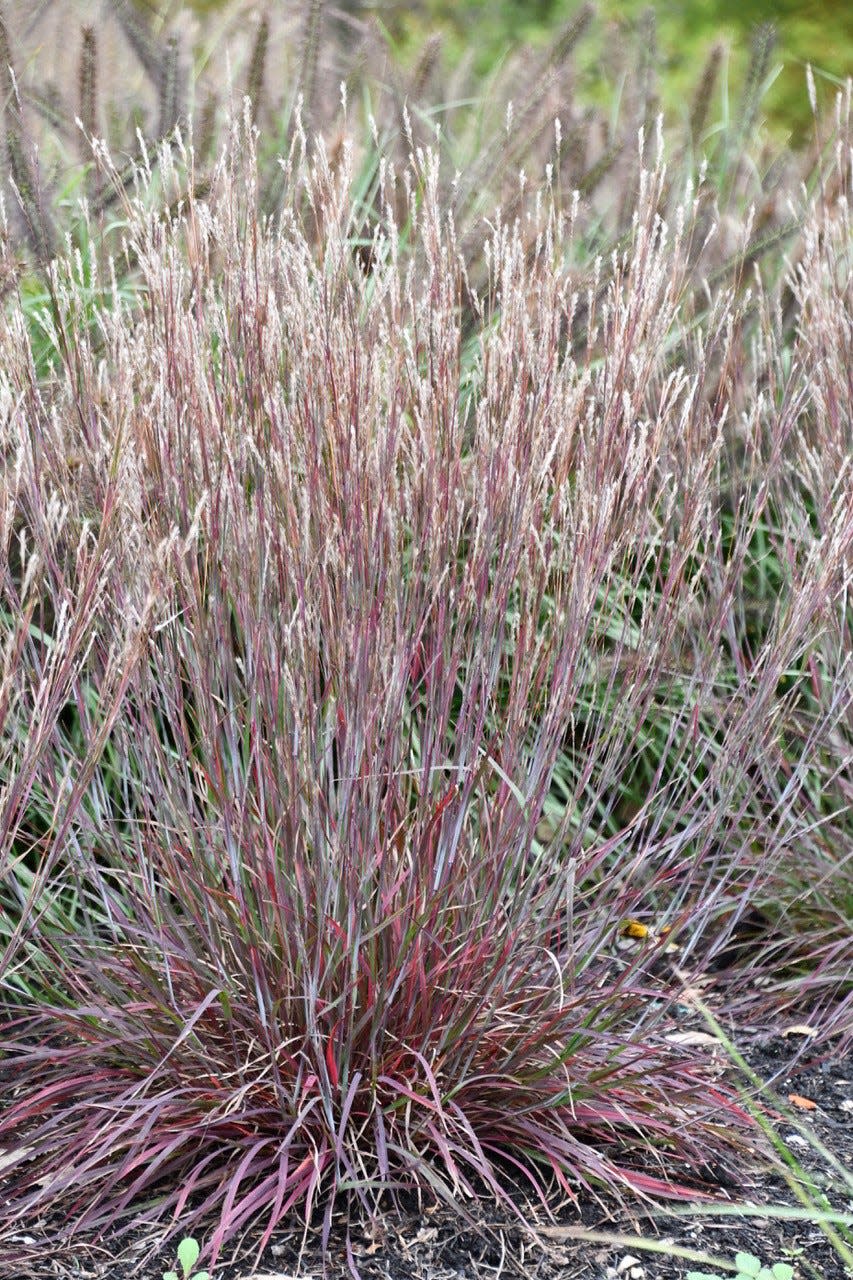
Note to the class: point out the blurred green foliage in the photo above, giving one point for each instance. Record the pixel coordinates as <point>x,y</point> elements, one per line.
<point>819,32</point>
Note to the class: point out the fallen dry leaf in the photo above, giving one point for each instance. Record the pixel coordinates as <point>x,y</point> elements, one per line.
<point>688,1038</point>
<point>275,1275</point>
<point>804,1104</point>
<point>12,1157</point>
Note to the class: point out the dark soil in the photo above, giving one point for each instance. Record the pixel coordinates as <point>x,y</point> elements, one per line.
<point>430,1243</point>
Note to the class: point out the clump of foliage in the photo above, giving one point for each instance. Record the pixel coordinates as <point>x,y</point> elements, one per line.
<point>395,603</point>
<point>750,1268</point>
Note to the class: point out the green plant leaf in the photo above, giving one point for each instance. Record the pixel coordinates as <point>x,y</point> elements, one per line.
<point>782,1271</point>
<point>188,1252</point>
<point>702,1275</point>
<point>748,1264</point>
<point>170,1275</point>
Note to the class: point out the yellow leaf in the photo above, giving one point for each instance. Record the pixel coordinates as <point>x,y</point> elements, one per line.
<point>633,929</point>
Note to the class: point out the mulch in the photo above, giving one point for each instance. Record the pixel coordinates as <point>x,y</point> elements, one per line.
<point>593,1242</point>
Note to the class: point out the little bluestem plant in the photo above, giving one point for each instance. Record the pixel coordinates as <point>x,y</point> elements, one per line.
<point>312,623</point>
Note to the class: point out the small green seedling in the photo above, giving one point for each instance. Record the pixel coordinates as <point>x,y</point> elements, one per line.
<point>188,1252</point>
<point>749,1268</point>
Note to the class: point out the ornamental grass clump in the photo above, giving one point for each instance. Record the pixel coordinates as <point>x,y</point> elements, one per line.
<point>358,683</point>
